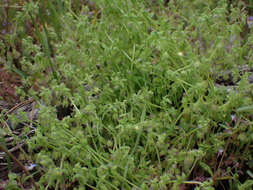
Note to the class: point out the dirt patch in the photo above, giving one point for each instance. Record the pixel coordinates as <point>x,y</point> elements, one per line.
<point>8,83</point>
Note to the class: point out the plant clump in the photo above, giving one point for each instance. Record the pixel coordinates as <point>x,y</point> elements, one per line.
<point>135,94</point>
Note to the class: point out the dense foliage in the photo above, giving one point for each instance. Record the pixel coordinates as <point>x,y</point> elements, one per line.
<point>136,94</point>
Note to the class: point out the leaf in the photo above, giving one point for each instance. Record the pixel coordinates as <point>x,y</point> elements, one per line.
<point>245,109</point>
<point>250,173</point>
<point>206,168</point>
<point>54,17</point>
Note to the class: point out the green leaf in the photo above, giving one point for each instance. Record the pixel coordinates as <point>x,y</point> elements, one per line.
<point>206,168</point>
<point>245,109</point>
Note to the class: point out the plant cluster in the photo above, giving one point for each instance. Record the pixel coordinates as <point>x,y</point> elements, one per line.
<point>129,95</point>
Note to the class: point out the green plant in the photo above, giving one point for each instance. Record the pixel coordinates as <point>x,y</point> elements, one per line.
<point>138,81</point>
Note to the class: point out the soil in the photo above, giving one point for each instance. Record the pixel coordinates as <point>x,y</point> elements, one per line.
<point>8,83</point>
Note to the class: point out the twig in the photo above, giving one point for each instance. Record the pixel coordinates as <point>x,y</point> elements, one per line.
<point>20,165</point>
<point>11,6</point>
<point>18,106</point>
